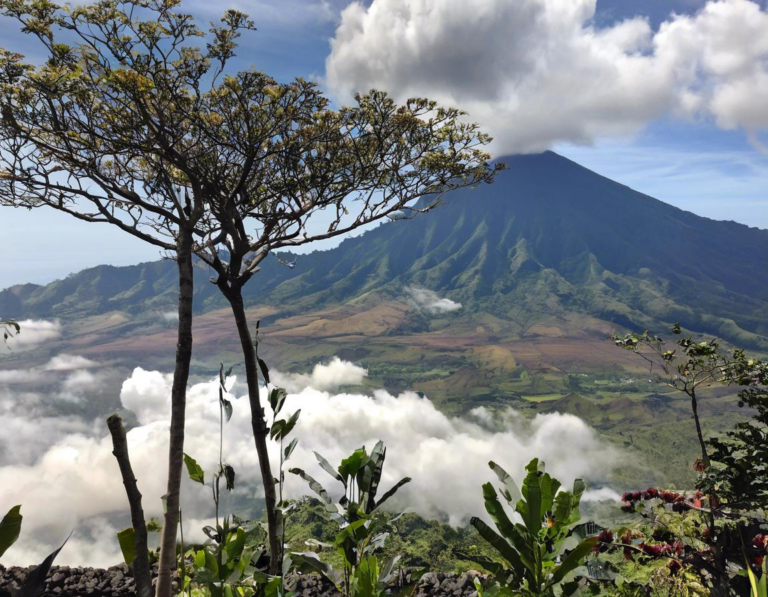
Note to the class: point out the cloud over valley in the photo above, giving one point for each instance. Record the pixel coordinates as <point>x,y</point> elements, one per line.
<point>70,458</point>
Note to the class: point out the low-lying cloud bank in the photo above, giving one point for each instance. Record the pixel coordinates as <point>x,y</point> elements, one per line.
<point>33,333</point>
<point>429,301</point>
<point>538,72</point>
<point>73,480</point>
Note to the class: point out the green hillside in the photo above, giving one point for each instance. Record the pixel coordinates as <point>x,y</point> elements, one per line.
<point>548,239</point>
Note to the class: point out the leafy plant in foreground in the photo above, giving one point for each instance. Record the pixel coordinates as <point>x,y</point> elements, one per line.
<point>541,552</point>
<point>733,475</point>
<point>10,527</point>
<point>226,565</point>
<point>221,565</point>
<point>362,533</point>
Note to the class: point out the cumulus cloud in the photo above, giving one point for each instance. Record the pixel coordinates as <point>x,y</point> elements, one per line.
<point>324,377</point>
<point>447,458</point>
<point>537,72</point>
<point>33,333</point>
<point>429,301</point>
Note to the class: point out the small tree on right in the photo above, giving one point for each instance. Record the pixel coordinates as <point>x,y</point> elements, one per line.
<point>726,517</point>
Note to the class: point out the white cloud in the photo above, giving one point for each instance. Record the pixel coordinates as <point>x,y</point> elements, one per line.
<point>147,394</point>
<point>324,377</point>
<point>33,333</point>
<point>30,428</point>
<point>69,362</point>
<point>170,315</point>
<point>537,72</point>
<point>74,482</point>
<point>429,301</point>
<point>62,363</point>
<point>31,420</point>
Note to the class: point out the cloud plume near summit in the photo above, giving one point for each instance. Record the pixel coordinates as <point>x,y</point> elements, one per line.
<point>538,72</point>
<point>73,481</point>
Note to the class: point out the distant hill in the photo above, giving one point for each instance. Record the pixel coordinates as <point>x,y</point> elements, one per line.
<point>549,239</point>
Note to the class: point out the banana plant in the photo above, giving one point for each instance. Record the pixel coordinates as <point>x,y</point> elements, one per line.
<point>361,533</point>
<point>542,550</point>
<point>360,475</point>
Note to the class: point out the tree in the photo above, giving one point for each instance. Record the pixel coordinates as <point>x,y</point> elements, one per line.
<point>101,131</point>
<point>739,471</point>
<point>687,368</point>
<point>147,129</point>
<point>733,478</point>
<point>283,158</point>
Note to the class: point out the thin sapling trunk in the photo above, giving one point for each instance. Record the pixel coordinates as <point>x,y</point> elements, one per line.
<point>140,565</point>
<point>178,412</point>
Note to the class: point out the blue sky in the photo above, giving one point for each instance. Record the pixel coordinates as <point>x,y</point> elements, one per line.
<point>626,94</point>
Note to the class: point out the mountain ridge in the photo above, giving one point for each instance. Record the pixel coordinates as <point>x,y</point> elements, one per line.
<point>548,238</point>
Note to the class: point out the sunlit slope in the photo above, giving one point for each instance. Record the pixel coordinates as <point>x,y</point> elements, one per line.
<point>549,239</point>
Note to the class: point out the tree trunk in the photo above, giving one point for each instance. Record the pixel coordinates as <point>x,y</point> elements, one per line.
<point>699,432</point>
<point>140,564</point>
<point>167,562</point>
<point>259,426</point>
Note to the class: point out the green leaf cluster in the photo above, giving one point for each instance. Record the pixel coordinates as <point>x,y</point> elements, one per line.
<point>541,552</point>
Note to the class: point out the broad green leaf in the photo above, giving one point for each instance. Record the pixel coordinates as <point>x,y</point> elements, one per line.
<point>235,543</point>
<point>573,560</point>
<point>366,577</point>
<point>530,507</point>
<point>264,370</point>
<point>496,511</point>
<point>387,567</point>
<point>289,449</point>
<point>200,559</point>
<point>313,485</point>
<point>309,561</point>
<point>326,466</point>
<point>549,487</point>
<point>277,399</point>
<point>10,527</point>
<point>34,584</point>
<point>393,491</point>
<point>510,492</point>
<point>127,540</point>
<point>282,428</point>
<point>351,465</point>
<point>490,565</point>
<point>378,456</point>
<point>194,470</point>
<point>499,544</point>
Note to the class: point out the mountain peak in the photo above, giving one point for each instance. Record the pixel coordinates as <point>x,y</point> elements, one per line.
<point>548,238</point>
